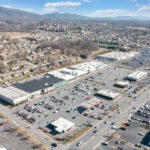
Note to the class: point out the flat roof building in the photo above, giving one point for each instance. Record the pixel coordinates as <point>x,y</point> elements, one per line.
<point>91,103</point>
<point>2,148</point>
<point>13,95</point>
<point>78,70</point>
<point>122,84</point>
<point>38,84</point>
<point>62,125</point>
<point>109,94</point>
<point>19,92</point>
<point>136,76</point>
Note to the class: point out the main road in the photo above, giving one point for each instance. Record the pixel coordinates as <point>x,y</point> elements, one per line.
<point>92,141</point>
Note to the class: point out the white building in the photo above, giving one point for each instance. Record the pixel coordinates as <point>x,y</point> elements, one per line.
<point>2,148</point>
<point>136,76</point>
<point>122,84</point>
<point>78,70</point>
<point>116,56</point>
<point>109,94</point>
<point>62,125</point>
<point>13,95</point>
<point>19,92</point>
<point>91,103</point>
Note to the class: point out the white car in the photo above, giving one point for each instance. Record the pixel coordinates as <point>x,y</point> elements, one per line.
<point>78,144</point>
<point>106,122</point>
<point>105,143</point>
<point>114,127</point>
<point>141,134</point>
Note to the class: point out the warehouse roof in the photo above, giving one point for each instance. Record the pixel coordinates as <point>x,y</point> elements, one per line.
<point>77,70</point>
<point>12,92</point>
<point>59,74</point>
<point>62,124</point>
<point>2,148</point>
<point>38,83</point>
<point>73,71</point>
<point>109,93</point>
<point>90,66</point>
<point>123,83</point>
<point>91,103</point>
<point>137,75</point>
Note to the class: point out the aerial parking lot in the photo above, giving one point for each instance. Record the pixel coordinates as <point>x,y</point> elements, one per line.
<point>65,101</point>
<point>132,134</point>
<point>116,144</point>
<point>140,60</point>
<point>143,114</point>
<point>90,104</point>
<point>70,82</point>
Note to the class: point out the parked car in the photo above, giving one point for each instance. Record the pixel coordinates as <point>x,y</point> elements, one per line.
<point>105,143</point>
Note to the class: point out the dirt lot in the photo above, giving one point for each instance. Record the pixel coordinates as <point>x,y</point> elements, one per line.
<point>16,35</point>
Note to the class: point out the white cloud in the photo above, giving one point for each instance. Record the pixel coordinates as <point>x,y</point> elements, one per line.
<point>144,8</point>
<point>51,7</point>
<point>143,11</point>
<point>109,13</point>
<point>63,4</point>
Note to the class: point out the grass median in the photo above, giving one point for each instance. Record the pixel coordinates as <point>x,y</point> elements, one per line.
<point>2,115</point>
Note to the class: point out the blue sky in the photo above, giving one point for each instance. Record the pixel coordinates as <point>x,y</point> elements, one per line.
<point>93,8</point>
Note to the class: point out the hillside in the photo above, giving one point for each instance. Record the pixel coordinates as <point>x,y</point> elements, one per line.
<point>66,16</point>
<point>13,14</point>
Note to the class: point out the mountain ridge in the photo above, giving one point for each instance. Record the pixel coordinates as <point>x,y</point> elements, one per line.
<point>20,15</point>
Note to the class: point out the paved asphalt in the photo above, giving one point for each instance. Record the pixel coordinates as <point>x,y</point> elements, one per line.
<point>126,111</point>
<point>90,140</point>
